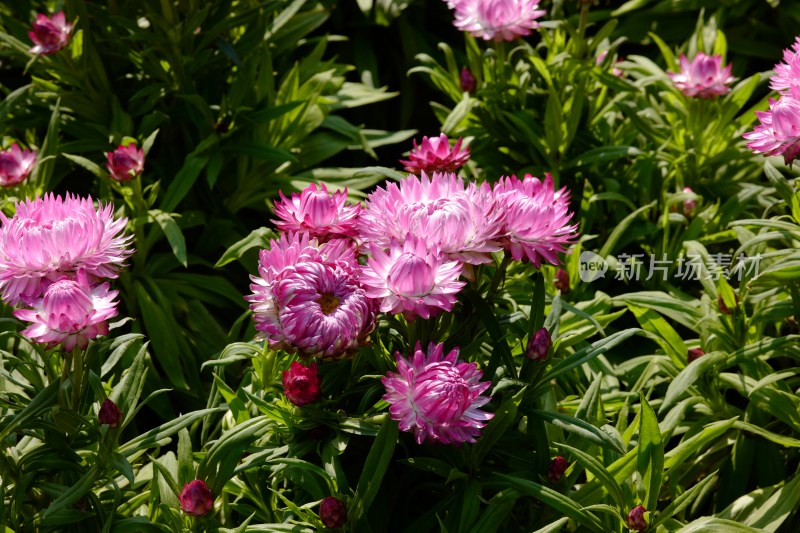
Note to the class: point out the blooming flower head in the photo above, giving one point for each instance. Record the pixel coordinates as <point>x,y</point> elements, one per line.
<point>787,73</point>
<point>437,396</point>
<point>15,165</point>
<point>125,163</point>
<point>332,512</point>
<point>536,224</point>
<point>557,468</point>
<point>411,279</point>
<point>196,498</point>
<point>703,77</point>
<point>435,155</point>
<point>49,34</point>
<point>49,238</point>
<point>307,299</point>
<point>301,384</point>
<point>440,210</point>
<point>109,414</point>
<point>779,130</point>
<point>498,20</point>
<point>70,313</point>
<point>321,214</point>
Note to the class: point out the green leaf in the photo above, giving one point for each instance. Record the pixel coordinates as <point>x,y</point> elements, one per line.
<point>667,337</point>
<point>173,233</point>
<point>765,508</point>
<point>682,501</point>
<point>621,228</point>
<point>708,524</point>
<point>686,378</point>
<point>582,428</point>
<point>218,465</point>
<point>650,458</point>
<point>374,468</point>
<point>598,470</point>
<point>185,178</point>
<point>88,164</point>
<point>586,354</point>
<point>258,238</point>
<point>161,434</point>
<point>186,469</point>
<point>74,493</point>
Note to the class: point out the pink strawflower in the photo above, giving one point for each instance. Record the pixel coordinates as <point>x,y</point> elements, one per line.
<point>301,384</point>
<point>435,155</point>
<point>440,210</point>
<point>332,512</point>
<point>536,224</point>
<point>322,214</point>
<point>49,238</point>
<point>49,34</point>
<point>411,279</point>
<point>498,20</point>
<point>196,498</point>
<point>307,299</point>
<point>436,396</point>
<point>15,165</point>
<point>779,130</point>
<point>787,73</point>
<point>125,163</point>
<point>70,313</point>
<point>703,77</point>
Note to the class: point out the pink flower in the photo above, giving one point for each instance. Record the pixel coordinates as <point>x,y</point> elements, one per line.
<point>49,238</point>
<point>196,498</point>
<point>536,218</point>
<point>15,165</point>
<point>439,210</point>
<point>332,512</point>
<point>318,212</point>
<point>499,20</point>
<point>787,73</point>
<point>411,278</point>
<point>301,384</point>
<point>690,204</point>
<point>437,396</point>
<point>70,313</point>
<point>779,130</point>
<point>307,298</point>
<point>125,163</point>
<point>703,77</point>
<point>109,414</point>
<point>435,155</point>
<point>49,35</point>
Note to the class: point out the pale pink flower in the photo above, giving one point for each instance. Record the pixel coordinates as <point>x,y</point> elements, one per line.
<point>498,20</point>
<point>49,238</point>
<point>307,298</point>
<point>437,396</point>
<point>70,313</point>
<point>536,225</point>
<point>411,278</point>
<point>15,165</point>
<point>435,155</point>
<point>703,77</point>
<point>49,34</point>
<point>440,210</point>
<point>322,214</point>
<point>125,163</point>
<point>787,73</point>
<point>779,130</point>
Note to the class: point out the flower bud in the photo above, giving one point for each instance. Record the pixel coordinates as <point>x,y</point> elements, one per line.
<point>49,34</point>
<point>689,205</point>
<point>539,346</point>
<point>125,163</point>
<point>562,281</point>
<point>695,353</point>
<point>301,384</point>
<point>109,414</point>
<point>332,512</point>
<point>196,498</point>
<point>468,81</point>
<point>636,519</point>
<point>724,309</point>
<point>557,468</point>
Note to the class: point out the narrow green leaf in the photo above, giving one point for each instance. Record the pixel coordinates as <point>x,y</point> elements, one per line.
<point>374,468</point>
<point>650,458</point>
<point>173,233</point>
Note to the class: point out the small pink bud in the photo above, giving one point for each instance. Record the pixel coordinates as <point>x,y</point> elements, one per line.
<point>109,414</point>
<point>636,519</point>
<point>301,384</point>
<point>689,205</point>
<point>196,498</point>
<point>695,353</point>
<point>468,81</point>
<point>539,346</point>
<point>562,281</point>
<point>125,163</point>
<point>557,468</point>
<point>332,512</point>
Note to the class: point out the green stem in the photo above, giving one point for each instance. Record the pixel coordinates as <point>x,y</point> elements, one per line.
<point>498,277</point>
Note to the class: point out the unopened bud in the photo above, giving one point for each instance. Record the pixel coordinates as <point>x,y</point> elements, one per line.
<point>695,353</point>
<point>557,468</point>
<point>468,81</point>
<point>636,519</point>
<point>539,346</point>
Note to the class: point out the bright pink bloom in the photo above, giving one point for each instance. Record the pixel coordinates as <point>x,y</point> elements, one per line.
<point>703,77</point>
<point>435,155</point>
<point>536,224</point>
<point>322,214</point>
<point>196,498</point>
<point>125,163</point>
<point>332,512</point>
<point>49,238</point>
<point>109,414</point>
<point>440,210</point>
<point>498,20</point>
<point>70,313</point>
<point>308,300</point>
<point>557,468</point>
<point>15,165</point>
<point>411,278</point>
<point>787,73</point>
<point>301,384</point>
<point>779,131</point>
<point>436,396</point>
<point>49,35</point>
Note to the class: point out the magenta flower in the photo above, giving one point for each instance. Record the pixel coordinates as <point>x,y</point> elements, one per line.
<point>411,279</point>
<point>332,512</point>
<point>694,353</point>
<point>109,414</point>
<point>467,81</point>
<point>435,155</point>
<point>436,396</point>
<point>196,498</point>
<point>636,519</point>
<point>301,384</point>
<point>536,225</point>
<point>15,165</point>
<point>307,299</point>
<point>703,77</point>
<point>779,130</point>
<point>498,20</point>
<point>440,210</point>
<point>561,281</point>
<point>49,238</point>
<point>70,313</point>
<point>539,346</point>
<point>49,34</point>
<point>125,163</point>
<point>787,73</point>
<point>318,212</point>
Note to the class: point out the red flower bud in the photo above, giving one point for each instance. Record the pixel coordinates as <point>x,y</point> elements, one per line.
<point>562,281</point>
<point>125,163</point>
<point>196,498</point>
<point>636,519</point>
<point>109,414</point>
<point>539,346</point>
<point>557,468</point>
<point>695,353</point>
<point>332,512</point>
<point>301,384</point>
<point>468,81</point>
